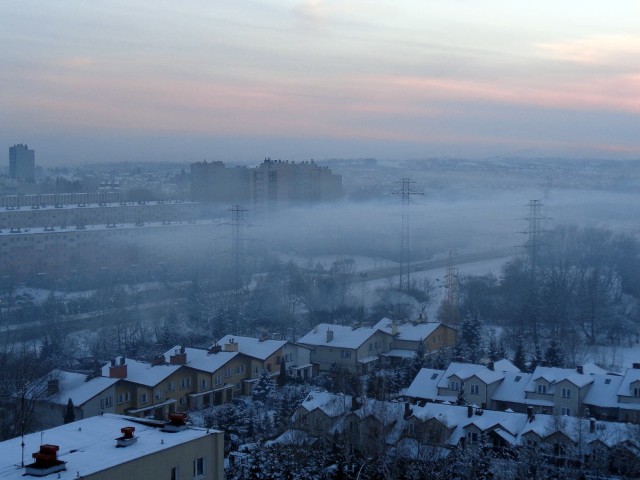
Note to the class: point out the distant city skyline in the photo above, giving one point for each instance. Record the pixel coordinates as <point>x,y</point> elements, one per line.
<point>240,81</point>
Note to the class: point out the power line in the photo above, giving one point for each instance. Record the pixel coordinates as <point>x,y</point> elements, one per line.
<point>406,192</point>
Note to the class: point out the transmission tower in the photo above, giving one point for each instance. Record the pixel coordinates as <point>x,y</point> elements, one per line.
<point>452,283</point>
<point>406,192</point>
<point>237,243</point>
<point>534,232</point>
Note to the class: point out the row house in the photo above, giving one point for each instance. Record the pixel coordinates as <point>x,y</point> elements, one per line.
<point>356,348</point>
<point>51,394</point>
<point>586,391</point>
<point>216,375</point>
<point>414,431</point>
<point>148,389</point>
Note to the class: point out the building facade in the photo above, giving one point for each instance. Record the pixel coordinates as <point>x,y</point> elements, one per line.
<point>22,163</point>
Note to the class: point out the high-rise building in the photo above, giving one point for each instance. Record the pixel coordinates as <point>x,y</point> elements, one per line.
<point>22,163</point>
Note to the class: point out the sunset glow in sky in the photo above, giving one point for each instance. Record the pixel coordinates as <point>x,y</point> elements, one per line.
<point>85,81</point>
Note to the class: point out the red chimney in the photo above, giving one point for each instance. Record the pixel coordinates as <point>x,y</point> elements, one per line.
<point>46,461</point>
<point>127,437</point>
<point>119,370</point>
<point>179,357</point>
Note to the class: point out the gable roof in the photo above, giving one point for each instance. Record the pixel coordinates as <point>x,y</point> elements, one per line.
<point>425,385</point>
<point>143,373</point>
<point>408,331</point>
<point>512,388</point>
<point>202,360</point>
<point>464,371</point>
<point>254,347</point>
<point>631,375</point>
<point>343,336</point>
<point>553,375</point>
<point>75,386</point>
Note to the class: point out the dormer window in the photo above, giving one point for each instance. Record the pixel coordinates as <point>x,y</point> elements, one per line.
<point>542,389</point>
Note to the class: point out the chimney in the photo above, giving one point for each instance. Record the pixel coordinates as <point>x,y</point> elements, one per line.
<point>127,437</point>
<point>315,329</point>
<point>214,349</point>
<point>230,346</point>
<point>530,415</point>
<point>394,328</point>
<point>122,361</point>
<point>408,411</point>
<point>329,335</point>
<point>176,423</point>
<point>179,357</point>
<point>53,386</point>
<point>469,411</point>
<point>113,362</point>
<point>157,360</point>
<point>46,462</point>
<point>592,425</point>
<point>580,369</point>
<point>636,366</point>
<point>263,337</point>
<point>118,371</point>
<point>491,366</point>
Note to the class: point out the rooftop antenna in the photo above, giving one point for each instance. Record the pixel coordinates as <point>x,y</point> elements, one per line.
<point>405,191</point>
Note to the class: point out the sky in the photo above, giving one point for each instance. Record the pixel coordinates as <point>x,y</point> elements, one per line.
<point>131,80</point>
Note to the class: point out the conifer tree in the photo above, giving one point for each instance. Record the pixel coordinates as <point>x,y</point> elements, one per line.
<point>69,412</point>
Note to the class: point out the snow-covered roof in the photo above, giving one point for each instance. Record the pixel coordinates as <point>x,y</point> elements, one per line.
<point>408,331</point>
<point>343,336</point>
<point>553,375</point>
<point>332,404</point>
<point>88,446</point>
<point>512,388</point>
<point>254,347</point>
<point>425,385</point>
<point>505,365</point>
<point>76,387</point>
<point>632,375</point>
<point>603,391</point>
<point>465,371</point>
<point>200,359</point>
<point>143,373</point>
<point>399,353</point>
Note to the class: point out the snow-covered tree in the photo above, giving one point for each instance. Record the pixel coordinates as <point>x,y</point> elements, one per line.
<point>264,388</point>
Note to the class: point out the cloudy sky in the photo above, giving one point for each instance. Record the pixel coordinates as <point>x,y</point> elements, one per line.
<point>233,80</point>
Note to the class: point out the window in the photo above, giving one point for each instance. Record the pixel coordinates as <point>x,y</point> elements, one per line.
<point>198,467</point>
<point>566,393</point>
<point>227,372</point>
<point>542,389</point>
<point>607,381</point>
<point>454,385</point>
<point>143,398</point>
<point>472,437</point>
<point>370,346</point>
<point>175,473</point>
<point>171,386</point>
<point>517,379</point>
<point>566,411</point>
<point>185,382</point>
<point>434,376</point>
<point>475,389</point>
<point>218,380</point>
<point>108,402</point>
<point>636,392</point>
<point>203,383</point>
<point>345,353</point>
<point>158,395</point>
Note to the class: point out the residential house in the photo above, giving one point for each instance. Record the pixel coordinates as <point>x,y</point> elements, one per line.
<point>408,335</point>
<point>90,397</point>
<point>262,353</point>
<point>149,389</point>
<point>107,447</point>
<point>216,375</point>
<point>351,348</point>
<point>320,412</point>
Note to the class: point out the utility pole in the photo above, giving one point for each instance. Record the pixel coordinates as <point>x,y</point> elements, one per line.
<point>406,192</point>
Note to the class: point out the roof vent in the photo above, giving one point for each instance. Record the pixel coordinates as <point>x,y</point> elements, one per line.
<point>176,423</point>
<point>127,437</point>
<point>46,462</point>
